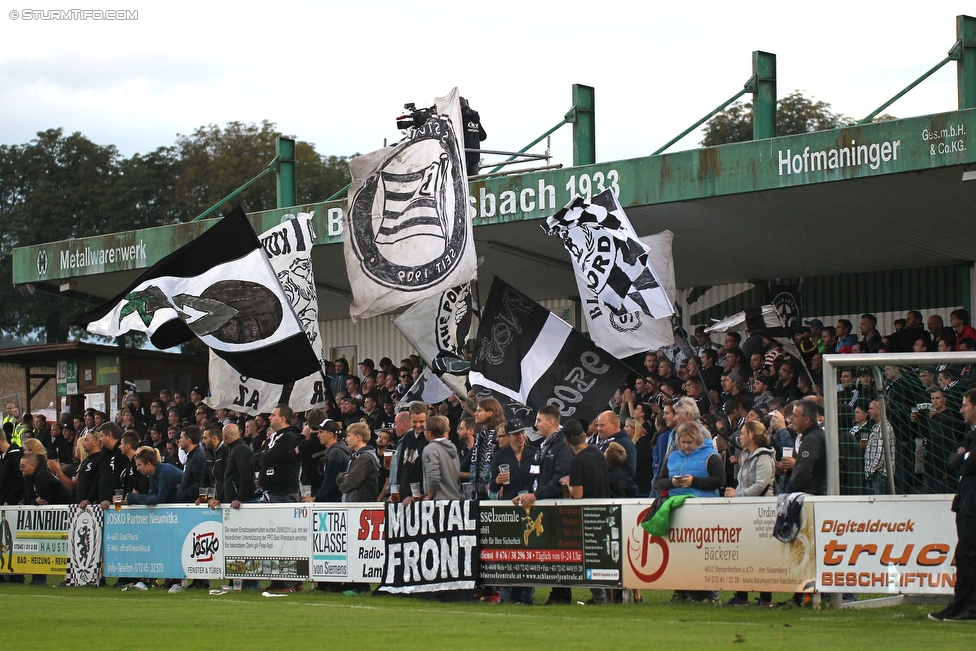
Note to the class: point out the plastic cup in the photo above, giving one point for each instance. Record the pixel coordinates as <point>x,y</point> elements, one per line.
<point>238,585</point>
<point>503,469</point>
<point>306,490</point>
<point>203,493</point>
<point>415,489</point>
<point>387,459</point>
<point>787,453</point>
<point>117,499</point>
<point>395,495</point>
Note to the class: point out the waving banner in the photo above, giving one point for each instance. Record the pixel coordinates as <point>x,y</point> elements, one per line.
<point>438,328</point>
<point>532,356</point>
<point>626,301</point>
<point>288,247</point>
<point>220,288</point>
<point>408,234</point>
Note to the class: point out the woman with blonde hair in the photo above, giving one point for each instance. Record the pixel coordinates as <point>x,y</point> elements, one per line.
<point>35,447</point>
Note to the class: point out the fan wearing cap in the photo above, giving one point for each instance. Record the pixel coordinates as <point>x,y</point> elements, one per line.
<point>350,408</point>
<point>336,458</point>
<point>732,383</point>
<point>519,459</point>
<point>761,390</point>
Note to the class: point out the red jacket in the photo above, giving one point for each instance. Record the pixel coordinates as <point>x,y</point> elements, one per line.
<point>967,332</point>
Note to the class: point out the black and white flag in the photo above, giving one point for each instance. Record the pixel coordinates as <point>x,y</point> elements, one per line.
<point>532,356</point>
<point>407,233</point>
<point>765,321</point>
<point>626,283</point>
<point>288,246</point>
<point>221,288</point>
<point>428,389</point>
<point>438,327</point>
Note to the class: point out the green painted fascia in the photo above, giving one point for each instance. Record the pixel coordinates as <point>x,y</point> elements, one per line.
<point>891,147</point>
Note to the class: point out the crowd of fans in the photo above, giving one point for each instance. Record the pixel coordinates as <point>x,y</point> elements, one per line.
<point>729,420</point>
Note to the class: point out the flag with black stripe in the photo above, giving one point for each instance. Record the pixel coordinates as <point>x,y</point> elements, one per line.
<point>222,289</point>
<point>288,246</point>
<point>532,356</point>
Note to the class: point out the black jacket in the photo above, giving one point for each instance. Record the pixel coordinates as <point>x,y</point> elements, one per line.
<point>133,480</point>
<point>279,465</point>
<point>556,456</point>
<point>216,464</point>
<point>110,473</point>
<point>336,462</point>
<point>43,484</point>
<point>520,472</point>
<point>238,475</point>
<point>965,466</point>
<point>11,481</point>
<point>193,472</point>
<point>810,472</point>
<point>87,487</point>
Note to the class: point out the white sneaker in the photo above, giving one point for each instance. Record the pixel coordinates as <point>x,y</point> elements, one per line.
<point>140,586</point>
<point>174,589</point>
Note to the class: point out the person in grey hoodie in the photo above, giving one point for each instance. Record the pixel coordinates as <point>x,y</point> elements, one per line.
<point>440,462</point>
<point>757,464</point>
<point>360,483</point>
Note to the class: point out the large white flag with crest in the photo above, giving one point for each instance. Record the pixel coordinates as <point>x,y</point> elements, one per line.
<point>407,232</point>
<point>626,283</point>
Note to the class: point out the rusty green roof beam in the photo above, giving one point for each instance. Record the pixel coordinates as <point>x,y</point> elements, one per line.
<point>749,87</point>
<point>912,85</point>
<point>272,167</point>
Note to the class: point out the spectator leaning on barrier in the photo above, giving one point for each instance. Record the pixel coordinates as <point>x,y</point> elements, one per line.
<point>132,479</point>
<point>693,467</point>
<point>521,460</point>
<point>40,486</point>
<point>555,456</point>
<point>216,451</point>
<point>195,465</point>
<point>86,486</point>
<point>608,427</point>
<point>336,457</point>
<point>164,479</point>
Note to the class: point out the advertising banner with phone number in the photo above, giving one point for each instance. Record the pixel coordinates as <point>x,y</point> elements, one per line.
<point>563,544</point>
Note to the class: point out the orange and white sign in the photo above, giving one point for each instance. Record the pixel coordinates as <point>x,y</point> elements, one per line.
<point>718,544</point>
<point>893,545</point>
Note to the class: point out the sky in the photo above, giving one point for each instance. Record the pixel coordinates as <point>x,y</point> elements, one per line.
<point>337,74</point>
